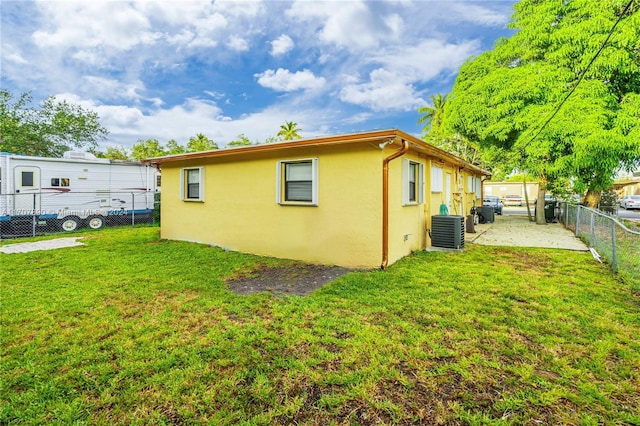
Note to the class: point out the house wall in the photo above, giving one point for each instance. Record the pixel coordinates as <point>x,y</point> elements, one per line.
<point>240,212</point>
<point>627,187</point>
<point>407,232</point>
<point>502,189</point>
<point>463,196</point>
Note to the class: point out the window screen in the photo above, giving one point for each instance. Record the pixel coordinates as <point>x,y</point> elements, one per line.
<point>298,181</point>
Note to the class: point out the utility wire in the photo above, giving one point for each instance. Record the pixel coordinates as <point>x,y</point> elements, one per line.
<point>581,77</point>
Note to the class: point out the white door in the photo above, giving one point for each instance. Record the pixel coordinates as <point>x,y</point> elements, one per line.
<point>27,189</point>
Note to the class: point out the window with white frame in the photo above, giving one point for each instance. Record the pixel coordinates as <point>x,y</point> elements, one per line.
<point>474,185</point>
<point>412,182</point>
<point>436,179</point>
<point>192,184</point>
<point>297,182</point>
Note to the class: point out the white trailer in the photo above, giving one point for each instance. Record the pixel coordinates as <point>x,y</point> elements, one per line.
<point>39,194</point>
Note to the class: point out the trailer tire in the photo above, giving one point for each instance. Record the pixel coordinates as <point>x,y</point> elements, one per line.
<point>95,222</point>
<point>70,223</point>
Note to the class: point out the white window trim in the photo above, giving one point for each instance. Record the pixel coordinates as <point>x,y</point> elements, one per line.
<point>183,185</point>
<point>437,179</point>
<point>474,186</point>
<point>280,184</point>
<point>405,183</point>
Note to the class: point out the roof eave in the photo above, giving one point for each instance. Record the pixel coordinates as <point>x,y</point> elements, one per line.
<point>345,139</point>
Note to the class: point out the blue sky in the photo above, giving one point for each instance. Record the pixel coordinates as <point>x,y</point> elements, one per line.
<point>172,69</point>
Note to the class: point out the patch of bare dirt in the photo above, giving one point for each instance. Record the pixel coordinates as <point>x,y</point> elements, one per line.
<point>299,279</point>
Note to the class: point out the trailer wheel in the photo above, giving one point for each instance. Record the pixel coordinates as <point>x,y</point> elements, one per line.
<point>95,222</point>
<point>70,223</point>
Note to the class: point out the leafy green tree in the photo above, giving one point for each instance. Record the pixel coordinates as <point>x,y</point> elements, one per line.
<point>556,103</point>
<point>200,143</point>
<point>147,149</point>
<point>116,153</point>
<point>435,134</point>
<point>48,130</point>
<point>289,131</point>
<point>241,141</point>
<point>174,147</point>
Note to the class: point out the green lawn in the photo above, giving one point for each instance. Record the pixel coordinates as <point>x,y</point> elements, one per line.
<point>130,329</point>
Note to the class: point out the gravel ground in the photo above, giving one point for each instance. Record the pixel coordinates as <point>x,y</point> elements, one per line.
<point>518,231</point>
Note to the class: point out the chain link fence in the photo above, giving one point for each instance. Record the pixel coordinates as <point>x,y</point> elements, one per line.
<point>42,212</point>
<point>618,245</point>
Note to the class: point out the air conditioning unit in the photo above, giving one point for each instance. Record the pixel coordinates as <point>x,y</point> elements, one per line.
<point>485,214</point>
<point>75,155</point>
<point>447,231</point>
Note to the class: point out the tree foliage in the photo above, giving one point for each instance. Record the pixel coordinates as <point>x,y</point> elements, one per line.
<point>147,149</point>
<point>48,130</point>
<point>200,143</point>
<point>153,148</point>
<point>431,116</point>
<point>115,153</point>
<point>516,96</point>
<point>434,133</point>
<point>241,141</point>
<point>289,131</point>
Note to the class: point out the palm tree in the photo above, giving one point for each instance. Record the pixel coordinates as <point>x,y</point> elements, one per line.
<point>289,131</point>
<point>432,116</point>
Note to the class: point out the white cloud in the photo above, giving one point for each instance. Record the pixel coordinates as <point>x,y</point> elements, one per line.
<point>427,59</point>
<point>391,86</point>
<point>238,43</point>
<point>88,24</point>
<point>479,14</point>
<point>106,88</point>
<point>284,81</point>
<point>170,69</point>
<point>12,54</point>
<point>281,45</point>
<point>214,94</point>
<point>385,91</point>
<point>346,24</point>
<point>395,23</point>
<point>181,122</point>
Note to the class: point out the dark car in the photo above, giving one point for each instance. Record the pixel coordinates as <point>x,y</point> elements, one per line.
<point>493,201</point>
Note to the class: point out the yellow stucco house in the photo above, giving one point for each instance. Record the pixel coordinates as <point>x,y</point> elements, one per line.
<point>361,200</point>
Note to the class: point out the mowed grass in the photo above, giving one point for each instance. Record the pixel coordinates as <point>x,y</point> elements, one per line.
<point>130,329</point>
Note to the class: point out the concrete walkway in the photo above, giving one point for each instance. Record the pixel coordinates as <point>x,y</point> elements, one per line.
<point>516,230</point>
<point>41,245</point>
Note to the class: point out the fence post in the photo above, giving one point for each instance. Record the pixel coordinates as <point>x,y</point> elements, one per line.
<point>578,222</point>
<point>592,231</point>
<point>34,219</point>
<point>614,252</point>
<point>133,209</point>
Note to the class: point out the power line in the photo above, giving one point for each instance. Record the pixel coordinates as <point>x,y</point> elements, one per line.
<point>581,77</point>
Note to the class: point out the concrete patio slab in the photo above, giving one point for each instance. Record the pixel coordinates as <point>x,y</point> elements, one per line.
<point>56,243</point>
<point>518,231</point>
